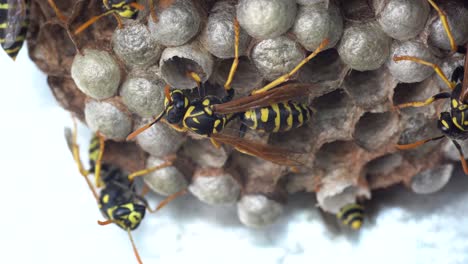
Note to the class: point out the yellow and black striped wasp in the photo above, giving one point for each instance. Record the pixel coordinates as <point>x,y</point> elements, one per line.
<point>118,199</point>
<point>268,109</point>
<point>14,23</point>
<point>14,20</point>
<point>351,215</point>
<point>127,9</point>
<point>453,124</point>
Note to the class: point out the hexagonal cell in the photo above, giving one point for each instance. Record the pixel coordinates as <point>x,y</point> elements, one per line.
<point>335,117</point>
<point>374,130</point>
<point>326,67</point>
<point>370,89</point>
<point>405,93</point>
<point>417,128</point>
<point>432,180</point>
<point>383,165</point>
<point>177,61</point>
<point>245,79</point>
<point>205,154</point>
<point>336,154</point>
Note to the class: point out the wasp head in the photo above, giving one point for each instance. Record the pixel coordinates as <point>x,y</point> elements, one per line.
<point>176,106</point>
<point>129,216</point>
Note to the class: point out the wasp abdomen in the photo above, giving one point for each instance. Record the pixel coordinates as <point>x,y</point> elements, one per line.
<point>351,215</point>
<point>277,117</point>
<point>13,25</point>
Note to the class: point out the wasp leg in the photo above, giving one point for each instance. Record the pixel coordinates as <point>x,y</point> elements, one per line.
<point>57,11</point>
<point>235,63</point>
<point>152,11</point>
<point>169,161</point>
<point>135,250</point>
<point>215,143</point>
<point>92,21</point>
<point>168,199</point>
<point>194,76</point>
<point>242,130</point>
<point>178,128</point>
<point>75,148</point>
<point>443,19</point>
<point>430,64</point>
<point>288,75</point>
<point>462,157</point>
<point>417,143</point>
<point>97,168</point>
<point>119,21</point>
<point>429,101</point>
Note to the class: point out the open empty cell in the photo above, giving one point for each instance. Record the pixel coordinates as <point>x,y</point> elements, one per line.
<point>324,67</point>
<point>335,117</point>
<point>369,89</point>
<point>374,130</point>
<point>337,153</point>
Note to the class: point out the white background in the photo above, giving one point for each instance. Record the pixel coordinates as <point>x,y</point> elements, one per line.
<point>49,216</point>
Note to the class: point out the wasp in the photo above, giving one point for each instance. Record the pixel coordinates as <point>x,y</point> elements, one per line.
<point>117,200</point>
<point>351,215</point>
<point>127,9</point>
<point>452,124</point>
<point>268,109</point>
<point>14,21</point>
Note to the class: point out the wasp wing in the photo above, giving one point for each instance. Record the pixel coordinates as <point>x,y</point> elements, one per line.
<point>69,138</point>
<point>464,93</point>
<point>277,95</point>
<point>278,155</point>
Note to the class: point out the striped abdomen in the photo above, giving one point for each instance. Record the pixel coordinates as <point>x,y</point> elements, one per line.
<point>351,215</point>
<point>13,25</point>
<point>277,117</point>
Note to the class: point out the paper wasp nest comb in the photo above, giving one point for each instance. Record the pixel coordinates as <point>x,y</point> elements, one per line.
<point>350,141</point>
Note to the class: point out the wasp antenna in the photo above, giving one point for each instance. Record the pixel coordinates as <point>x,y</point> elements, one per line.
<point>92,21</point>
<point>135,250</point>
<point>106,222</point>
<point>167,93</point>
<point>143,128</point>
<point>170,198</point>
<point>417,143</point>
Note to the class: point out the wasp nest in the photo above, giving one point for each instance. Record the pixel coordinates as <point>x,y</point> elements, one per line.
<point>117,82</point>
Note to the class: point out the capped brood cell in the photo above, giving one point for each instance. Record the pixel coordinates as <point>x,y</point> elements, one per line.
<point>264,19</point>
<point>165,181</point>
<point>159,140</point>
<point>177,24</point>
<point>315,22</point>
<point>110,118</point>
<point>402,19</point>
<point>364,47</point>
<point>276,56</point>
<point>218,35</point>
<point>410,71</point>
<point>143,96</point>
<point>96,73</point>
<point>135,46</point>
<point>215,186</point>
<point>457,16</point>
<point>258,211</point>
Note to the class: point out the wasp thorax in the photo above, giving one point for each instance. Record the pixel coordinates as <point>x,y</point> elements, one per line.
<point>175,110</point>
<point>123,8</point>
